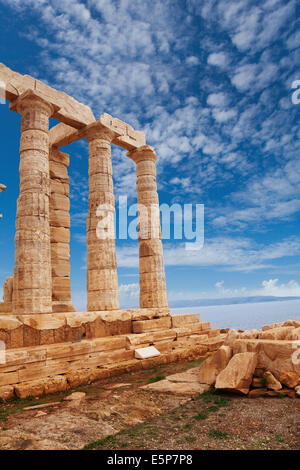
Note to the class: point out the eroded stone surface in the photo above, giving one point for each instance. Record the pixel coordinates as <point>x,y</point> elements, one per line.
<point>237,376</point>
<point>213,365</point>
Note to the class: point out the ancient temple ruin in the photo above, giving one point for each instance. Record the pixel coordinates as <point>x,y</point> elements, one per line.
<point>44,337</point>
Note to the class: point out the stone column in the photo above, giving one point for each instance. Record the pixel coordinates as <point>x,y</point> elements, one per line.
<point>32,290</point>
<point>102,279</point>
<point>60,231</point>
<point>153,291</point>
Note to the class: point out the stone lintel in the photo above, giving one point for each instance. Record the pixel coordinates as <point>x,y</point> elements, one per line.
<point>125,136</point>
<point>70,111</point>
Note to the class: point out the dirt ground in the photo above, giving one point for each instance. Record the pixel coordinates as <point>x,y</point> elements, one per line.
<point>118,414</point>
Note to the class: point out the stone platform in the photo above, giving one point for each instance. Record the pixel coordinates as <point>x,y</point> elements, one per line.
<point>51,352</point>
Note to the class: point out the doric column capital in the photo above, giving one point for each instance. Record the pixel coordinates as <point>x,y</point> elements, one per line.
<point>97,130</point>
<point>144,153</point>
<point>32,99</point>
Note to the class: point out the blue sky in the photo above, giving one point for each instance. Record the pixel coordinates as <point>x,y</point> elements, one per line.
<point>210,84</point>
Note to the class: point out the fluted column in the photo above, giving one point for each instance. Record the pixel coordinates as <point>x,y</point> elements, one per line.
<point>60,231</point>
<point>32,289</point>
<point>102,279</point>
<point>153,291</point>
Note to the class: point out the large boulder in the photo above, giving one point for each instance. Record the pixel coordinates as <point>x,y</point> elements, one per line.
<point>237,376</point>
<point>279,333</point>
<point>249,334</point>
<point>231,337</point>
<point>212,366</point>
<point>289,378</point>
<point>294,334</point>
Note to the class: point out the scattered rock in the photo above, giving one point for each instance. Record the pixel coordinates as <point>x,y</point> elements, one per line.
<point>145,353</point>
<point>237,376</point>
<point>76,396</point>
<point>258,392</point>
<point>297,390</point>
<point>6,392</point>
<point>272,382</point>
<point>214,364</point>
<point>40,413</point>
<point>257,382</point>
<point>289,378</point>
<point>249,334</point>
<point>287,392</point>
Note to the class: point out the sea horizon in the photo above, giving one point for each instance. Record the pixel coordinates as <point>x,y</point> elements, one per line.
<point>245,315</point>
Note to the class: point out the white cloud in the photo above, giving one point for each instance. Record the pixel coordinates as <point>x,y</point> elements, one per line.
<point>219,59</point>
<point>217,99</point>
<point>224,116</point>
<point>271,287</point>
<point>192,60</point>
<point>231,254</point>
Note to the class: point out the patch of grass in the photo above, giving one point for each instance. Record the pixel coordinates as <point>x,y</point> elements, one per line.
<point>216,434</point>
<point>187,427</point>
<point>279,438</point>
<point>108,440</point>
<point>200,416</point>
<point>190,438</point>
<point>152,380</point>
<point>212,409</point>
<point>206,396</point>
<point>123,444</point>
<point>222,401</point>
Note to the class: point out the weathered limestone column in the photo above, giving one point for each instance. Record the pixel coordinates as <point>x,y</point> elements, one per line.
<point>60,231</point>
<point>102,279</point>
<point>32,290</point>
<point>153,292</point>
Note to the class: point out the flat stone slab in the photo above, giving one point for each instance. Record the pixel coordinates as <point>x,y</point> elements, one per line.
<point>189,389</point>
<point>189,376</point>
<point>145,353</point>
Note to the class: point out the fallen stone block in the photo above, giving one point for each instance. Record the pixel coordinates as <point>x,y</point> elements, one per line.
<point>258,392</point>
<point>231,337</point>
<point>145,353</point>
<point>249,334</point>
<point>276,333</point>
<point>7,392</point>
<point>189,389</point>
<point>273,355</point>
<point>289,378</point>
<point>237,376</point>
<point>213,343</point>
<point>272,382</point>
<point>214,364</point>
